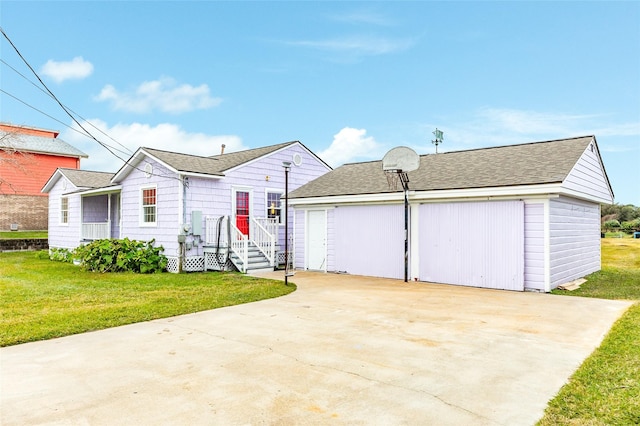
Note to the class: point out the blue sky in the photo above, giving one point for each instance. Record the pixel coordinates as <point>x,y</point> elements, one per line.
<point>348,79</point>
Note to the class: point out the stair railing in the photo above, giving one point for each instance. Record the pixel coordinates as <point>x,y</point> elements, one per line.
<point>240,246</point>
<point>264,237</point>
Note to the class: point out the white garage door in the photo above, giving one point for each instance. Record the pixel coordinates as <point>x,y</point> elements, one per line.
<point>369,240</point>
<point>479,244</point>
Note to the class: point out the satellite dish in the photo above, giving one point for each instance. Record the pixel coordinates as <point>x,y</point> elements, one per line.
<point>401,159</point>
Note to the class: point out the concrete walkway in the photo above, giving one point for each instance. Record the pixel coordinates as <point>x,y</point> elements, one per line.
<point>339,350</point>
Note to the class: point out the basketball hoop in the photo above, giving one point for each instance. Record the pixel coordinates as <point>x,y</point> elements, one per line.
<point>396,164</point>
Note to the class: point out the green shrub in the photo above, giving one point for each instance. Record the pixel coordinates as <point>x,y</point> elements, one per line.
<point>110,255</point>
<point>611,224</point>
<point>61,255</point>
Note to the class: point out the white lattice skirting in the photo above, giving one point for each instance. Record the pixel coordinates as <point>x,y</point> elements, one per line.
<point>280,257</point>
<point>193,264</point>
<point>173,265</point>
<point>208,262</point>
<point>217,262</point>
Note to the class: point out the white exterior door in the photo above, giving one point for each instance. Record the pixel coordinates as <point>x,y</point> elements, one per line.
<point>317,240</point>
<point>478,244</point>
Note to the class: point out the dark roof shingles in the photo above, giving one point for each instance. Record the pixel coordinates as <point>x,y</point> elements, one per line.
<point>525,164</point>
<point>87,179</point>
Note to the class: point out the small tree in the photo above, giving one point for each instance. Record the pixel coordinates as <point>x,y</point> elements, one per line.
<point>610,225</point>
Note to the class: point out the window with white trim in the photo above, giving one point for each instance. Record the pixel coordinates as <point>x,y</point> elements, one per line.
<point>64,210</point>
<point>274,206</point>
<point>149,209</point>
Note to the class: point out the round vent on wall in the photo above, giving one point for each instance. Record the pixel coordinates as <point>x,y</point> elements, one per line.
<point>297,159</point>
<point>148,170</point>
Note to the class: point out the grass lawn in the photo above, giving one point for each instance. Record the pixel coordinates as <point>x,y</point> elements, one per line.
<point>19,235</point>
<point>42,299</point>
<point>606,388</point>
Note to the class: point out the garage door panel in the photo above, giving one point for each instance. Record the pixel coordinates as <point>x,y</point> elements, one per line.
<point>475,244</point>
<point>370,240</point>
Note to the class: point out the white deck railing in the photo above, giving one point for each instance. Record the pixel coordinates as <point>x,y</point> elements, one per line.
<point>211,231</point>
<point>96,231</point>
<point>240,245</point>
<point>263,235</point>
<point>221,232</point>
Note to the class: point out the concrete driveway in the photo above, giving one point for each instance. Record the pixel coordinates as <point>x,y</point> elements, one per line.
<point>340,350</point>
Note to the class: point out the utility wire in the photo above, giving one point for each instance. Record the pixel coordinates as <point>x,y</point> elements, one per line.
<point>127,150</point>
<point>57,100</point>
<point>126,162</point>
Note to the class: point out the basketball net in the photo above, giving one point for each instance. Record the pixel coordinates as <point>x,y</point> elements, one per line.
<point>393,177</point>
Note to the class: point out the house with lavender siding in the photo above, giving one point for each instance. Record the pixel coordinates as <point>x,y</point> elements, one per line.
<point>519,217</point>
<point>208,213</point>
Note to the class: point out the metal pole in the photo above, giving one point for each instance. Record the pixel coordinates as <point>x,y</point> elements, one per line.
<point>406,235</point>
<point>287,167</point>
<point>404,178</point>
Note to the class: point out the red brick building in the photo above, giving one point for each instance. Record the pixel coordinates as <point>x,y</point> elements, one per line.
<point>28,157</point>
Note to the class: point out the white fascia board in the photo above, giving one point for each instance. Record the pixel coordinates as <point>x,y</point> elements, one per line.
<point>201,175</point>
<point>493,193</point>
<point>99,191</point>
<point>134,161</point>
<point>470,194</point>
<point>348,199</point>
<point>51,182</point>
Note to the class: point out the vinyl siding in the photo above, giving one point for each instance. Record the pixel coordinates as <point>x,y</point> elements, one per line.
<point>588,177</point>
<point>534,246</point>
<point>214,197</point>
<point>574,239</point>
<point>168,207</point>
<point>369,240</point>
<point>64,235</point>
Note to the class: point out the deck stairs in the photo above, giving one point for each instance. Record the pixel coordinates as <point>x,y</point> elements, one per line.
<point>256,260</point>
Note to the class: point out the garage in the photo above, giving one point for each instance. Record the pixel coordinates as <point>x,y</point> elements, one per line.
<point>521,217</point>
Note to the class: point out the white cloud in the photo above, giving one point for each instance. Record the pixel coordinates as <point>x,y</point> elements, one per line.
<point>502,126</point>
<point>75,69</point>
<point>350,144</point>
<point>363,17</point>
<point>164,94</point>
<point>358,45</point>
<point>165,136</point>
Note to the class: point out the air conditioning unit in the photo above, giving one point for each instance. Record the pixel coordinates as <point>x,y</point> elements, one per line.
<point>14,226</point>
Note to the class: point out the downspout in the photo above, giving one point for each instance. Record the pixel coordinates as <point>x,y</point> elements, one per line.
<point>184,180</point>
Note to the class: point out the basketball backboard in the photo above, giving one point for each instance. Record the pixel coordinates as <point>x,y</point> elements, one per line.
<point>401,159</point>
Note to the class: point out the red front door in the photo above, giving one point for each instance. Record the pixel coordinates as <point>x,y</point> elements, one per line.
<point>242,212</point>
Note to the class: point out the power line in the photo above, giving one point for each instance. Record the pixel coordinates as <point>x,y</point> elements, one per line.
<point>57,100</point>
<point>127,150</point>
<point>87,133</point>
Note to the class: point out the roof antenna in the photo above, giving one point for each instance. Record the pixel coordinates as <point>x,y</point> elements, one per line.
<point>222,149</point>
<point>439,138</point>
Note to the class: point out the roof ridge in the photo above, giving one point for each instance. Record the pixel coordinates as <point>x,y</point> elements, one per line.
<point>174,152</point>
<point>281,144</point>
<point>514,144</point>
